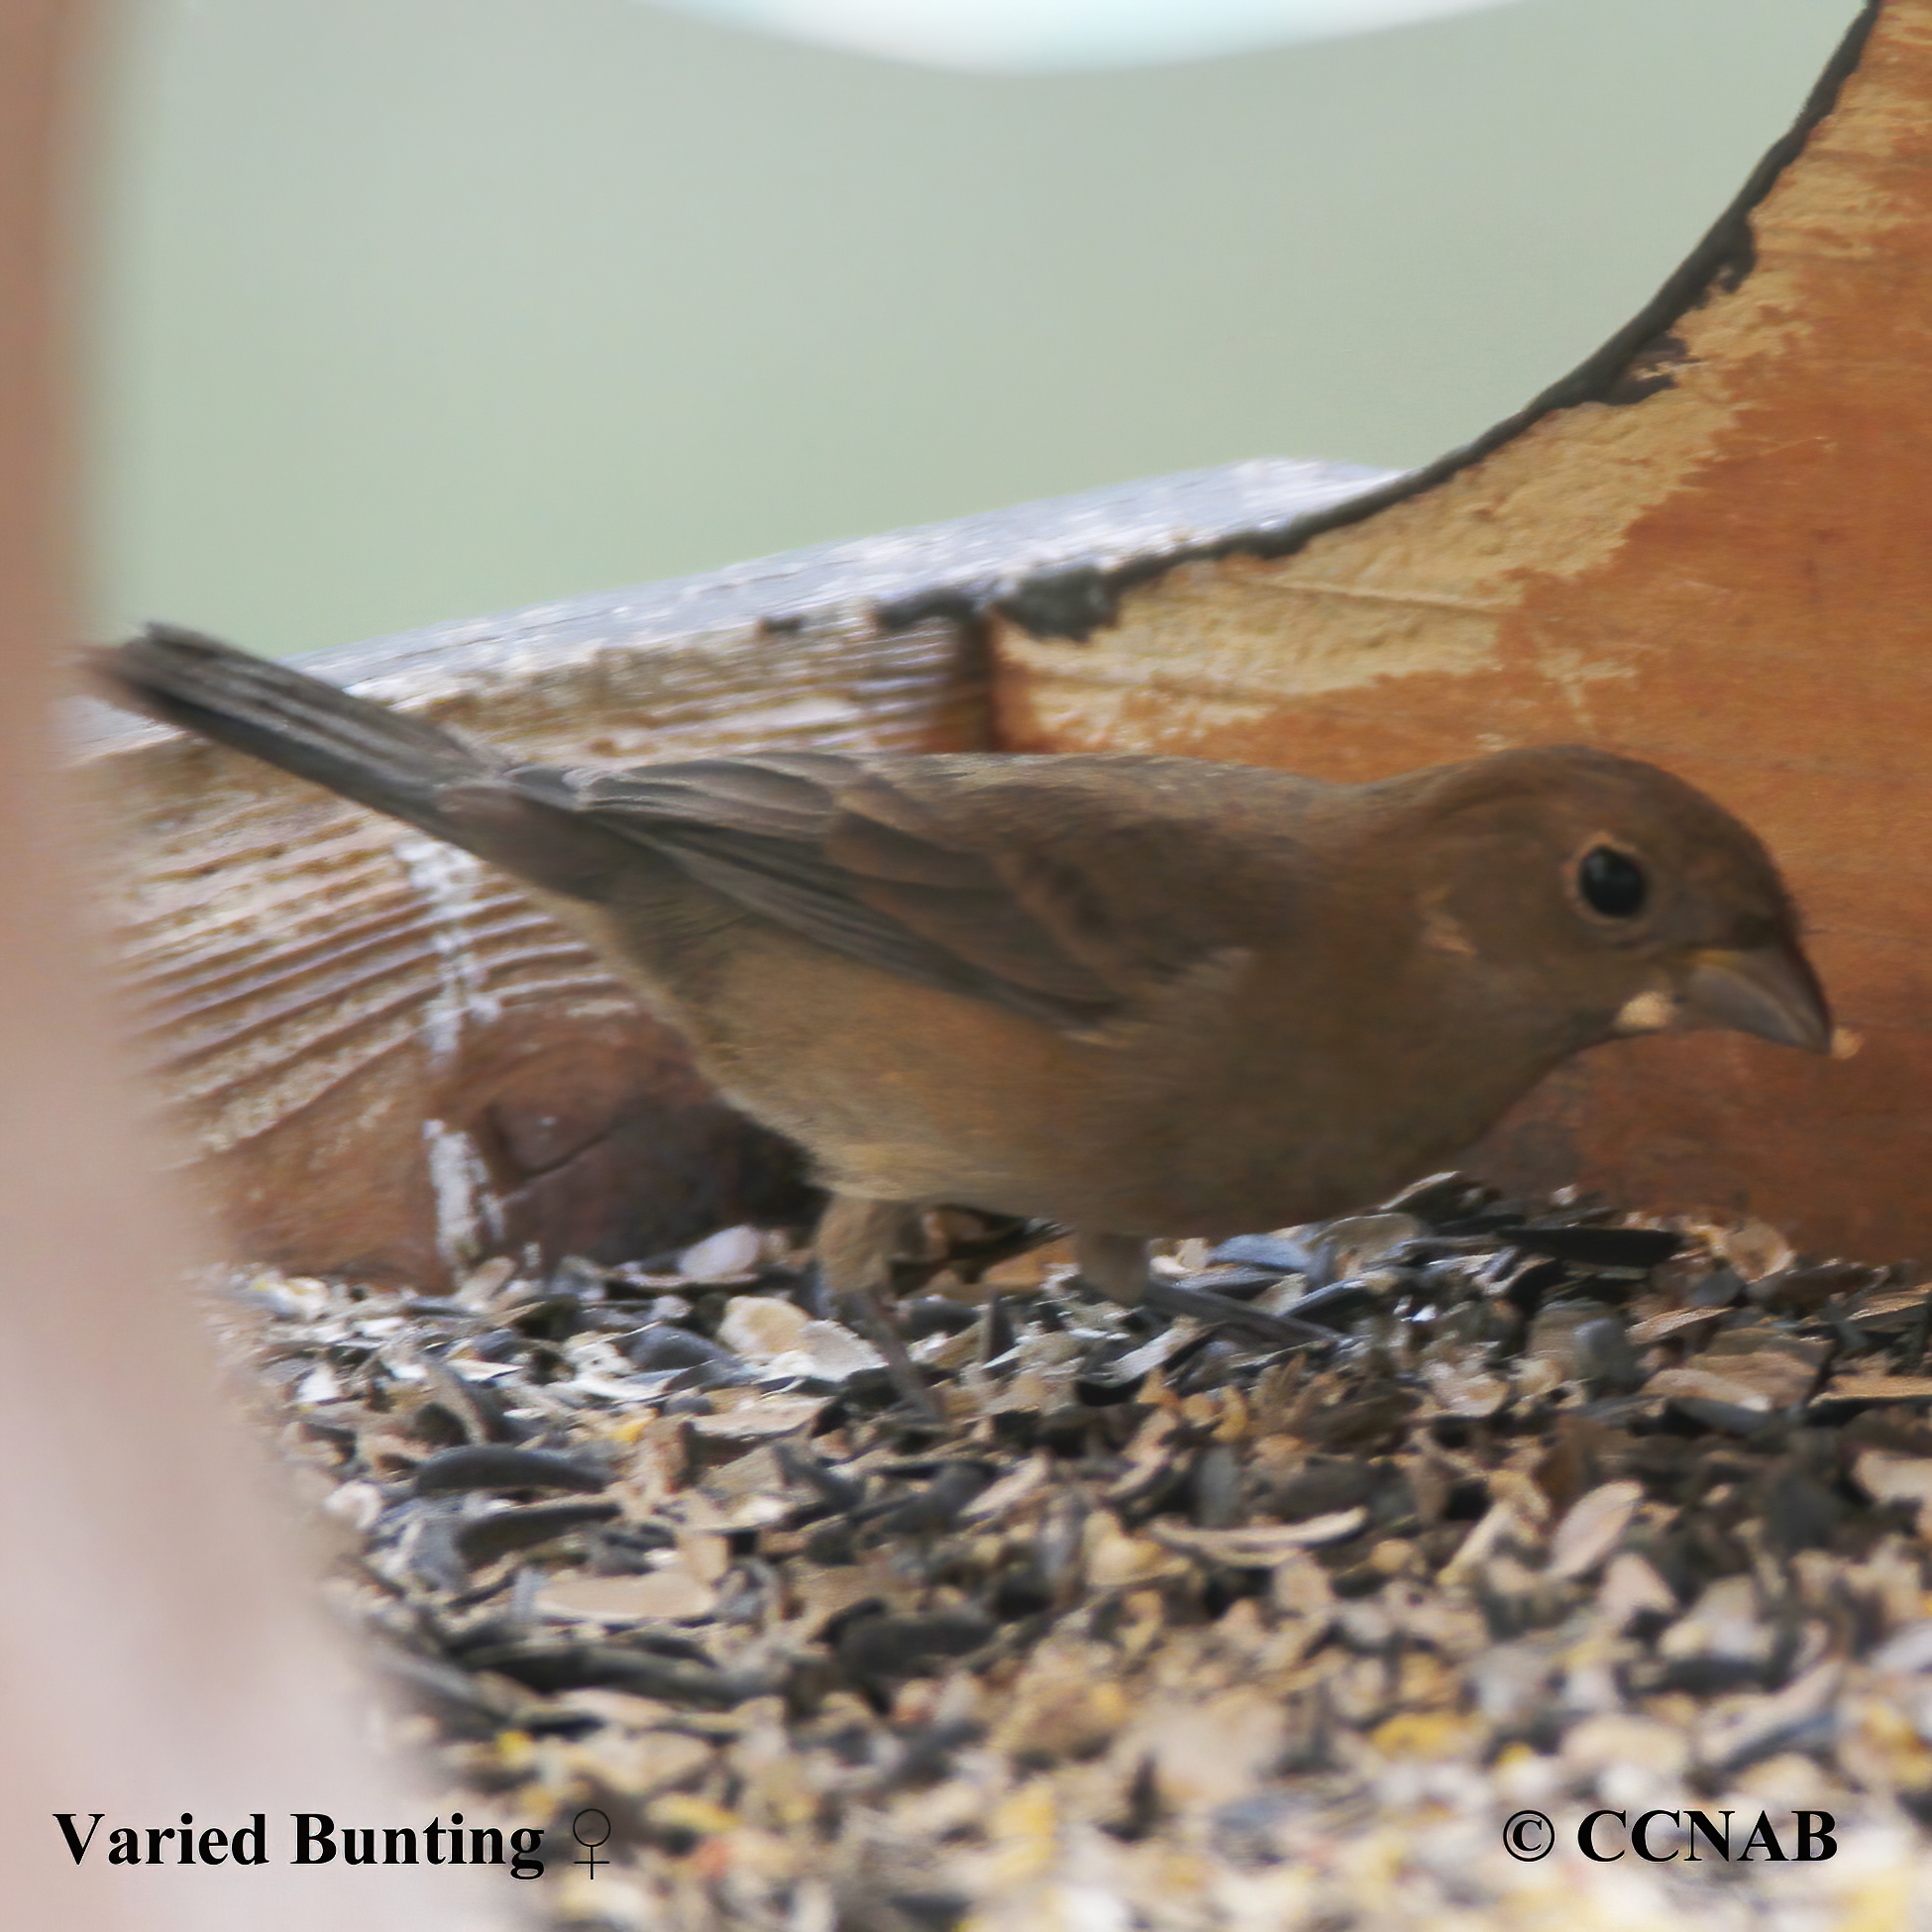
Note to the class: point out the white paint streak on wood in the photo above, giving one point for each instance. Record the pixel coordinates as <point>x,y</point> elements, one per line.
<point>447,879</point>
<point>468,1216</point>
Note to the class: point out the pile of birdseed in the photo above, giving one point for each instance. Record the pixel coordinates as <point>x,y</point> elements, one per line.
<point>1159,1629</point>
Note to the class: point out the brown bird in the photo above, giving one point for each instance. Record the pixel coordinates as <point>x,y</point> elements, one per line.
<point>1135,994</point>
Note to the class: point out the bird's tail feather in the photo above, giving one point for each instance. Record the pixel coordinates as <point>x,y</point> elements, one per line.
<point>380,758</point>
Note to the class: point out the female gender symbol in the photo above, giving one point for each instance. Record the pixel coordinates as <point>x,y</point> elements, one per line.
<point>602,1827</point>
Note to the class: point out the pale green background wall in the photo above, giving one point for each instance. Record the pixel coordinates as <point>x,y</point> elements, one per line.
<point>413,309</point>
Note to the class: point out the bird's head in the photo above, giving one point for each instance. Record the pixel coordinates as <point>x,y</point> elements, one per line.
<point>1608,898</point>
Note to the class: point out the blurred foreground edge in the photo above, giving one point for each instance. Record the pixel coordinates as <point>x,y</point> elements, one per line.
<point>162,1650</point>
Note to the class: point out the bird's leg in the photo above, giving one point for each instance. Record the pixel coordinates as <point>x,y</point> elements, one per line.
<point>855,1245</point>
<point>1117,1264</point>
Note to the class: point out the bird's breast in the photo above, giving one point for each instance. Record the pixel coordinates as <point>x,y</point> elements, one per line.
<point>1249,1105</point>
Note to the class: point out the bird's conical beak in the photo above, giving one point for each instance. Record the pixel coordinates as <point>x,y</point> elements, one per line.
<point>1770,991</point>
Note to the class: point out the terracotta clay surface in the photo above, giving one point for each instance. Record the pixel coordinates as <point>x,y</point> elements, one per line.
<point>1730,575</point>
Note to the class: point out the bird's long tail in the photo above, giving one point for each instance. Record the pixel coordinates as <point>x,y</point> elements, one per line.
<point>415,771</point>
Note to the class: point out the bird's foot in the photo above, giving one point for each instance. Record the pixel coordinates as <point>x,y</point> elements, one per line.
<point>855,1245</point>
<point>864,1310</point>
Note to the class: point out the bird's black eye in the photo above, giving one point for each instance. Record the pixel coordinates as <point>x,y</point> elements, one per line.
<point>1612,883</point>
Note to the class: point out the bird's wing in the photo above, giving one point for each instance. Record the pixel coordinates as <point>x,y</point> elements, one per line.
<point>831,848</point>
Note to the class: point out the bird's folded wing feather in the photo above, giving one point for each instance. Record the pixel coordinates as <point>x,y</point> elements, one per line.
<point>831,848</point>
